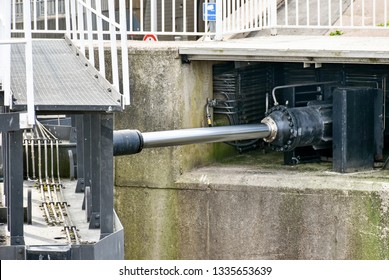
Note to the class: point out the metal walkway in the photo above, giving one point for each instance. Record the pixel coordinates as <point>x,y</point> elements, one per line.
<point>63,79</point>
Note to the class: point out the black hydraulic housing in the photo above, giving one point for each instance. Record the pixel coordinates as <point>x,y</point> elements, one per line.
<point>351,124</point>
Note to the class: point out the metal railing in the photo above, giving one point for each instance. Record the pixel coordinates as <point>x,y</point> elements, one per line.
<point>89,28</point>
<point>171,18</point>
<point>158,17</point>
<point>333,14</point>
<point>93,23</point>
<point>253,15</point>
<point>26,119</point>
<point>248,15</point>
<point>47,16</point>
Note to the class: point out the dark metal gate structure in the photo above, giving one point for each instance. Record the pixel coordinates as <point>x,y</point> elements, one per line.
<point>65,84</point>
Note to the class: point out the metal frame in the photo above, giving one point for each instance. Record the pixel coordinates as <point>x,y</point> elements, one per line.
<point>90,122</point>
<point>12,124</point>
<point>87,21</point>
<point>330,14</point>
<point>97,167</point>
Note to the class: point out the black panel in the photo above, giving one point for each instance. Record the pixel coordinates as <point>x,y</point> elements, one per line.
<point>353,129</point>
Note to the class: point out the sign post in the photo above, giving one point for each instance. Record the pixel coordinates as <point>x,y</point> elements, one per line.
<point>209,12</point>
<point>212,13</point>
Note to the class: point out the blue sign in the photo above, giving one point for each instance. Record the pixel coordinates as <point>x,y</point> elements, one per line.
<point>209,13</point>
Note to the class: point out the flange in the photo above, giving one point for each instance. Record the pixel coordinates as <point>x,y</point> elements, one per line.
<point>272,127</point>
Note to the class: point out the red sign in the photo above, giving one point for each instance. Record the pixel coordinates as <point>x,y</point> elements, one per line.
<point>150,37</point>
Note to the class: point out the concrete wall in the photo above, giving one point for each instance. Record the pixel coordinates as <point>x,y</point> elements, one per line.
<point>256,213</point>
<point>247,209</point>
<point>166,94</point>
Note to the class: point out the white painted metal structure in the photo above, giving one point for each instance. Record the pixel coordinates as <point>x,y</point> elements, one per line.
<point>185,17</point>
<point>26,119</point>
<point>253,15</point>
<point>331,14</point>
<point>98,25</point>
<point>85,23</point>
<point>84,26</point>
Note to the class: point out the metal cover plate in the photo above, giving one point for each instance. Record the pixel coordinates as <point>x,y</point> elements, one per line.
<point>62,80</point>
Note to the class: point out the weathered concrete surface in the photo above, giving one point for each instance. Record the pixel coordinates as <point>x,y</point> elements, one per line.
<point>255,212</point>
<point>166,94</point>
<point>245,209</point>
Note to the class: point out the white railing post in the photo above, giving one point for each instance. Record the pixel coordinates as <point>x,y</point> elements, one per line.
<point>273,17</point>
<point>45,14</point>
<point>219,21</point>
<point>131,15</point>
<point>74,19</point>
<point>5,50</point>
<point>124,46</point>
<point>91,50</point>
<point>153,16</point>
<point>80,25</point>
<point>67,19</point>
<point>100,39</point>
<point>35,16</point>
<point>29,66</point>
<point>114,54</point>
<point>14,14</point>
<point>56,15</point>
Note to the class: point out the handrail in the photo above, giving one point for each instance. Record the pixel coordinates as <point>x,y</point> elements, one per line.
<point>99,14</point>
<point>168,18</point>
<point>92,23</point>
<point>29,66</point>
<point>5,51</point>
<point>27,120</point>
<point>85,23</point>
<point>82,30</point>
<point>333,14</point>
<point>46,16</point>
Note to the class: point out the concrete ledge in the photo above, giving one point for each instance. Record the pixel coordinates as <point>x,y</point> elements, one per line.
<point>246,210</point>
<point>261,213</point>
<point>314,49</point>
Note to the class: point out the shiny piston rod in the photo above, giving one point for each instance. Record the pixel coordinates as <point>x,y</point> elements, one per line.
<point>127,142</point>
<point>284,128</point>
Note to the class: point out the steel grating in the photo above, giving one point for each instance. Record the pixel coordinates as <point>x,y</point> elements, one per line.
<point>62,80</point>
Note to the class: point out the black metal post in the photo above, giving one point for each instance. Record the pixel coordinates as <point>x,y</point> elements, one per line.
<point>106,175</point>
<point>95,170</point>
<point>87,127</point>
<point>15,207</point>
<point>80,152</point>
<point>6,172</point>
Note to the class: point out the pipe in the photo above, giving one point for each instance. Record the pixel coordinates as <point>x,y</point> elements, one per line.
<point>204,135</point>
<point>127,142</point>
<point>297,85</point>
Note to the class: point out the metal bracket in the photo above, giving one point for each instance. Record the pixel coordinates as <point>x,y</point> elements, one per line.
<point>185,59</point>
